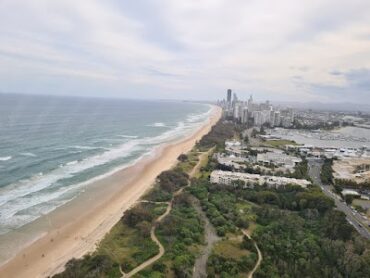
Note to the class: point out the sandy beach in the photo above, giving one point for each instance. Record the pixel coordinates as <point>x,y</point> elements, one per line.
<point>76,228</point>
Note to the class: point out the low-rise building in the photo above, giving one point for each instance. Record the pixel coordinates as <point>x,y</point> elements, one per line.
<point>278,159</point>
<point>228,178</point>
<point>350,192</point>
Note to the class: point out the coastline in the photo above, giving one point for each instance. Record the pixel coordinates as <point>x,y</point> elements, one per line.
<point>74,229</point>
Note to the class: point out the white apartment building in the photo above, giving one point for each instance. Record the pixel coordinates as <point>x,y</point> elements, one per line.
<point>244,117</point>
<point>227,178</point>
<point>278,159</point>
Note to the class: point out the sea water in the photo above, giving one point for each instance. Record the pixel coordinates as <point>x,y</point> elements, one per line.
<point>52,147</point>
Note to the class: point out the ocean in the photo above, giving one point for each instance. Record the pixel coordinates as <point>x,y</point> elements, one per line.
<point>52,148</point>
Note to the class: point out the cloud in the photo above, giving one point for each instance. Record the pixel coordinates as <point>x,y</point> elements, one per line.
<point>282,50</point>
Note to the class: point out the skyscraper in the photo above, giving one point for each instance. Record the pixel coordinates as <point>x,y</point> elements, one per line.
<point>229,95</point>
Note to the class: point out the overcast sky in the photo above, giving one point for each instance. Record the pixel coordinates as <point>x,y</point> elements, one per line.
<point>289,50</point>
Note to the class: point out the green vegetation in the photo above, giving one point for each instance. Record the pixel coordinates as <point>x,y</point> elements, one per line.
<point>298,231</point>
<point>223,209</point>
<point>349,198</point>
<point>362,205</point>
<point>182,158</point>
<point>278,143</point>
<point>301,170</point>
<point>181,234</point>
<point>310,244</point>
<point>127,245</point>
<point>232,257</point>
<point>187,161</point>
<point>90,266</point>
<point>326,174</point>
<point>352,184</point>
<point>321,125</point>
<point>217,136</point>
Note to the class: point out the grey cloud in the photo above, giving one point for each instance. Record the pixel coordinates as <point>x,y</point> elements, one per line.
<point>336,73</point>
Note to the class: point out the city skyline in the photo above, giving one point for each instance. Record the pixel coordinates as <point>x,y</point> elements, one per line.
<point>311,51</point>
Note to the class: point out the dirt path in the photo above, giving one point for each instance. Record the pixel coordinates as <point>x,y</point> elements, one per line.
<point>201,157</point>
<point>159,219</point>
<point>200,266</point>
<point>155,239</point>
<point>250,274</point>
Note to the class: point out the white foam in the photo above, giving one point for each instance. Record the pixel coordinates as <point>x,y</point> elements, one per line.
<point>28,154</point>
<point>72,162</point>
<point>159,124</point>
<point>127,136</point>
<point>84,147</point>
<point>199,117</point>
<point>5,158</point>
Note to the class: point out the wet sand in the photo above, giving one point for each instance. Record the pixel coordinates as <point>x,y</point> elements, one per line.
<point>76,228</point>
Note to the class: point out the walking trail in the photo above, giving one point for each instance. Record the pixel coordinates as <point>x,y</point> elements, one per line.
<point>200,266</point>
<point>159,219</point>
<point>250,274</point>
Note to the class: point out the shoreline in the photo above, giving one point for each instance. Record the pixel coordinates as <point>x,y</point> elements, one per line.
<point>76,228</point>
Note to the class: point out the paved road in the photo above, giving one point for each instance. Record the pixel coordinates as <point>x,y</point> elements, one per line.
<point>354,218</point>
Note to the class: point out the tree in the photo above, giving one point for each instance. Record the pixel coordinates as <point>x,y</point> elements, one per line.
<point>136,215</point>
<point>349,198</point>
<point>182,157</point>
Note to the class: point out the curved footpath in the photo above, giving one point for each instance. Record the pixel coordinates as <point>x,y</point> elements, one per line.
<point>155,239</point>
<point>250,274</point>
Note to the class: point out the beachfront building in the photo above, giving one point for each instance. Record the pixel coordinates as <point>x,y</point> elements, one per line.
<point>229,178</point>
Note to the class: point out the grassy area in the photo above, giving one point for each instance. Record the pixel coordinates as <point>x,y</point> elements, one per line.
<point>231,248</point>
<point>244,210</point>
<point>364,204</point>
<point>278,143</point>
<point>131,246</point>
<point>127,246</point>
<point>204,161</point>
<point>192,160</point>
<point>234,256</point>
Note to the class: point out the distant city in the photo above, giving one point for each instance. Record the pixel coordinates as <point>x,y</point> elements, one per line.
<point>252,113</point>
<point>257,114</point>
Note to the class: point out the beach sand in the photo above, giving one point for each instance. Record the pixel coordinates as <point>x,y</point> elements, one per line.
<point>76,228</point>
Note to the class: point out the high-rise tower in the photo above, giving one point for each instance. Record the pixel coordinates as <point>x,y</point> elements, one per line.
<point>229,95</point>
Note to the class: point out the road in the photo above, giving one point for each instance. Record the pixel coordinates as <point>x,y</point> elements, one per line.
<point>353,217</point>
